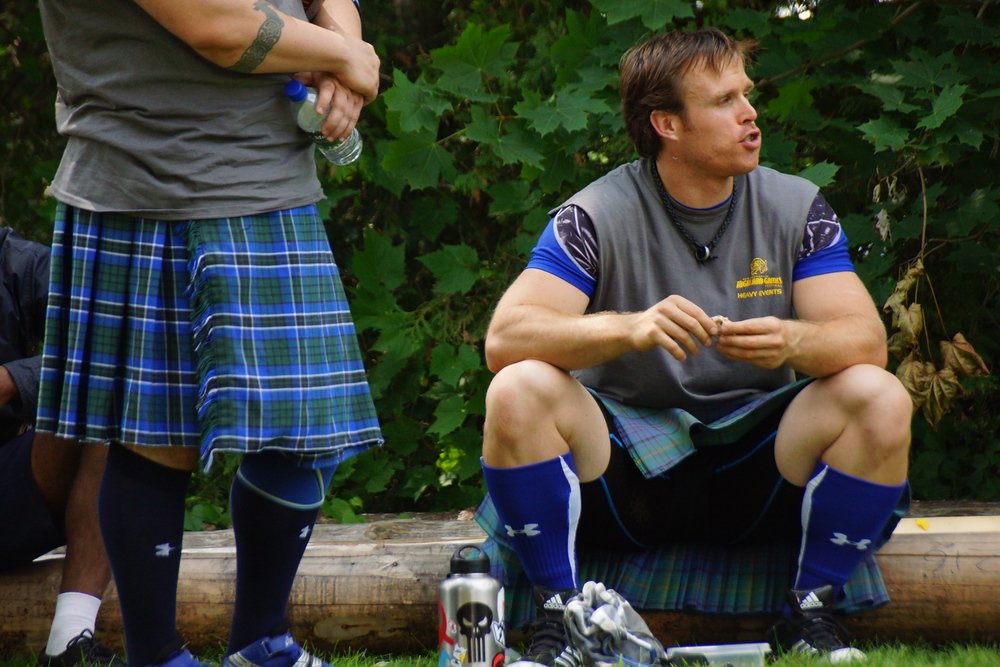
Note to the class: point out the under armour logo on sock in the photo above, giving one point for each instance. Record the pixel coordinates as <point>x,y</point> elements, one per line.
<point>840,540</point>
<point>163,550</point>
<point>529,530</point>
<point>304,533</point>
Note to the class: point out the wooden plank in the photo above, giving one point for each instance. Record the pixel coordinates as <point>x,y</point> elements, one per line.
<point>373,586</point>
<point>941,581</point>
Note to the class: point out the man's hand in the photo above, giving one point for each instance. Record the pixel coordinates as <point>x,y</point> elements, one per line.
<point>8,390</point>
<point>344,105</point>
<point>360,73</point>
<point>766,342</point>
<point>675,324</point>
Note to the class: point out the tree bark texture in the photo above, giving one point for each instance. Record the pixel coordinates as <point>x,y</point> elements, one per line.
<point>373,587</point>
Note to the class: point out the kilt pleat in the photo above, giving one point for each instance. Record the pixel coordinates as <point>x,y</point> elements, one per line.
<point>707,578</point>
<point>278,362</point>
<point>228,335</point>
<point>118,365</point>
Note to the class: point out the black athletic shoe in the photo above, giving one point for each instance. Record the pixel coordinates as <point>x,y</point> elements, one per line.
<point>83,650</point>
<point>548,641</point>
<point>811,629</point>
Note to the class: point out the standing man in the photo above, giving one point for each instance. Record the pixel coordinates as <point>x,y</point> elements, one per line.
<point>195,307</point>
<point>48,487</point>
<point>646,361</point>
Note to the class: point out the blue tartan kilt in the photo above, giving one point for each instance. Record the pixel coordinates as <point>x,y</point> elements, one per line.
<point>228,334</point>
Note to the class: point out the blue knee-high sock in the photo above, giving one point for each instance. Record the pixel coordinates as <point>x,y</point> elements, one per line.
<point>539,506</point>
<point>842,517</point>
<point>141,512</point>
<point>271,531</point>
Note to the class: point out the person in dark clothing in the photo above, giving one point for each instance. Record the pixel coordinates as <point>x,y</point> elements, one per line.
<point>48,489</point>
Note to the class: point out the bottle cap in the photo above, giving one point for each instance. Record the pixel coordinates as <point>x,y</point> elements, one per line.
<point>469,559</point>
<point>295,90</point>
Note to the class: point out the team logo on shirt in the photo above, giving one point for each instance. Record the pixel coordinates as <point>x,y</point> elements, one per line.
<point>759,283</point>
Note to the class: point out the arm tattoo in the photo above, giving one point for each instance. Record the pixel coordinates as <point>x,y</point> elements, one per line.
<point>267,37</point>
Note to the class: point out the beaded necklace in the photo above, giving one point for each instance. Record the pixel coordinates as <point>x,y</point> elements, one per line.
<point>702,253</point>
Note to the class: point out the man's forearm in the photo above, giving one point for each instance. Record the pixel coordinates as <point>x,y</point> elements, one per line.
<point>253,36</point>
<point>341,16</point>
<point>568,341</point>
<point>826,348</point>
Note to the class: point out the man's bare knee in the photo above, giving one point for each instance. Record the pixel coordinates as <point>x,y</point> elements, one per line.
<point>524,389</point>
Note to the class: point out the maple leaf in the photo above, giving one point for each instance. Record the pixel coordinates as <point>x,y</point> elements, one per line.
<point>916,375</point>
<point>959,355</point>
<point>943,390</point>
<point>896,302</point>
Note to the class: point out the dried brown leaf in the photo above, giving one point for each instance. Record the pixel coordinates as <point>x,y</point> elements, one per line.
<point>944,388</point>
<point>883,224</point>
<point>911,322</point>
<point>896,303</point>
<point>916,375</point>
<point>899,345</point>
<point>959,355</point>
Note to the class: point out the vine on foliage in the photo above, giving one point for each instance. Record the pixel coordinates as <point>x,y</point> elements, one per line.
<point>484,135</point>
<point>932,387</point>
<point>497,111</point>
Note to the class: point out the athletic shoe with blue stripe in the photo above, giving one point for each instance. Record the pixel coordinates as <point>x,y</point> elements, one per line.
<point>280,651</point>
<point>182,658</point>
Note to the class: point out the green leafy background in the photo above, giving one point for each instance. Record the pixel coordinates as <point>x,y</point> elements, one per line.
<point>494,112</point>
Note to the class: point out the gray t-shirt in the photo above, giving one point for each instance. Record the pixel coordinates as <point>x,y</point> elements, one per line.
<point>154,130</point>
<point>643,259</point>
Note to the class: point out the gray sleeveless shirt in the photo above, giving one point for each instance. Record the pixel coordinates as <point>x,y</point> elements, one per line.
<point>155,130</point>
<point>643,260</point>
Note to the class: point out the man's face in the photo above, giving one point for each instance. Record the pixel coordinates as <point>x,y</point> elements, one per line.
<point>718,135</point>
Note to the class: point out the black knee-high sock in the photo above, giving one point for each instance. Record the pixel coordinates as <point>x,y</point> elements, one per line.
<point>270,540</point>
<point>141,509</point>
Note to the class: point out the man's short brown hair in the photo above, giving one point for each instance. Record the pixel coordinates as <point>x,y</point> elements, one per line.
<point>652,73</point>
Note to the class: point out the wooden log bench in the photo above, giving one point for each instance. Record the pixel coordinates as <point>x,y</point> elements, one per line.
<point>373,587</point>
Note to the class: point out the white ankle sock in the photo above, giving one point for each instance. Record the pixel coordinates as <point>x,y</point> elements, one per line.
<point>75,612</point>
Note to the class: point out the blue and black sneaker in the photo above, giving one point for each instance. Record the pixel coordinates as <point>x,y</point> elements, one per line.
<point>279,651</point>
<point>182,658</point>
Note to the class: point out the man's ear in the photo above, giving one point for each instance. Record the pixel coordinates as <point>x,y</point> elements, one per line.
<point>665,124</point>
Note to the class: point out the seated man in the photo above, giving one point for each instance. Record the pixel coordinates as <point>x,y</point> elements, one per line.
<point>48,488</point>
<point>646,390</point>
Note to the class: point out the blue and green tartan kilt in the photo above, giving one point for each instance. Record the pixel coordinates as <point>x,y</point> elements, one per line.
<point>706,578</point>
<point>228,334</point>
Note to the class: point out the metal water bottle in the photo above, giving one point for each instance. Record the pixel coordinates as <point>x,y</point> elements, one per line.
<point>471,604</point>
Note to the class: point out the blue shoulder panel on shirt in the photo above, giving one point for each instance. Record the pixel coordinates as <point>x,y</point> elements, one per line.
<point>549,256</point>
<point>824,246</point>
<point>831,259</point>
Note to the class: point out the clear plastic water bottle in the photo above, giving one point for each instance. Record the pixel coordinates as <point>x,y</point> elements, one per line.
<point>337,152</point>
<point>471,604</point>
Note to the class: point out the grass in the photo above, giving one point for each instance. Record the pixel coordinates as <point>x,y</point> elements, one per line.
<point>878,656</point>
<point>915,656</point>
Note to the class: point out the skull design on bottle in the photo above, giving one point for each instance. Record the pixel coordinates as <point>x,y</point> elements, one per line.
<point>474,622</point>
